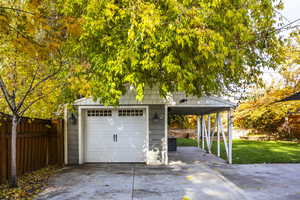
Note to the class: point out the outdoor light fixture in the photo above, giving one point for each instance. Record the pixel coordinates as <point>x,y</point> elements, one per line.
<point>73,119</point>
<point>183,100</point>
<point>155,117</point>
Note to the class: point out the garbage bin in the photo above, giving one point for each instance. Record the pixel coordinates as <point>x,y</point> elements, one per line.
<point>172,145</point>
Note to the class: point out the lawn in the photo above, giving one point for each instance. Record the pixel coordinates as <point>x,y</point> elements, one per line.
<point>248,152</point>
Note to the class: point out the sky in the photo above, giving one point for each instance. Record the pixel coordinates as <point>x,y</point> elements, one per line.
<point>290,12</point>
<point>291,9</point>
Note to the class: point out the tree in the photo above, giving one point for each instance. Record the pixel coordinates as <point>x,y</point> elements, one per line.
<point>259,111</point>
<point>290,70</point>
<point>31,63</point>
<point>199,47</point>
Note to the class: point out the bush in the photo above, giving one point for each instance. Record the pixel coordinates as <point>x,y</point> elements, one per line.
<point>264,115</point>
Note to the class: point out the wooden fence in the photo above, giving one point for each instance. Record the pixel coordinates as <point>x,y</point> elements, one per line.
<point>294,125</point>
<point>39,143</point>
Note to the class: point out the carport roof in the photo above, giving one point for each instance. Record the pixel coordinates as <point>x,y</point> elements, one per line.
<point>177,102</point>
<point>196,110</point>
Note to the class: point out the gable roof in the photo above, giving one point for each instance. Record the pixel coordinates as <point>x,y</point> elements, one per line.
<point>153,97</point>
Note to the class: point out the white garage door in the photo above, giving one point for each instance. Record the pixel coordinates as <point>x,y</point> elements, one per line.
<point>116,135</point>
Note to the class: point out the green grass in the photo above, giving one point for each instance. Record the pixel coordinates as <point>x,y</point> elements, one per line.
<point>186,142</point>
<point>249,152</point>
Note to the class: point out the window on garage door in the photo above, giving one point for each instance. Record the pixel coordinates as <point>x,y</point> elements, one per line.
<point>99,113</point>
<point>131,112</point>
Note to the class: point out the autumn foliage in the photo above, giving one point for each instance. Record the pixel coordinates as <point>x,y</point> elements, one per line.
<point>261,112</point>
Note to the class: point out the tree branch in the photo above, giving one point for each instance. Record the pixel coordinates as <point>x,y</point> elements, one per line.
<point>30,104</point>
<point>33,87</point>
<point>28,12</point>
<point>16,9</point>
<point>45,79</point>
<point>23,35</point>
<point>36,100</point>
<point>15,77</point>
<point>6,94</point>
<point>29,89</point>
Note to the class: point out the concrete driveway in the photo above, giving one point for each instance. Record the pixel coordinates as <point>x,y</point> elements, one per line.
<point>127,182</point>
<point>191,175</point>
<point>265,181</point>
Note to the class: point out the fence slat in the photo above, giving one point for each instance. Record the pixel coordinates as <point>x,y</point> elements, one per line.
<point>39,143</point>
<point>3,155</point>
<point>22,155</point>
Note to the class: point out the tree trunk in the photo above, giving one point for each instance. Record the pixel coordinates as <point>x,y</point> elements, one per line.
<point>14,152</point>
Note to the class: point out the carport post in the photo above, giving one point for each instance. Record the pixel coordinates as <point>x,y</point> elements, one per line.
<point>229,127</point>
<point>202,130</point>
<point>198,130</point>
<point>218,134</point>
<point>209,131</point>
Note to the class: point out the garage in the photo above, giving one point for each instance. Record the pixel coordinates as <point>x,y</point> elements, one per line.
<point>116,135</point>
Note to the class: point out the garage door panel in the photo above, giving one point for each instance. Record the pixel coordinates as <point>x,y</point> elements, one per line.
<point>101,125</point>
<point>99,122</point>
<point>130,128</point>
<point>135,156</point>
<point>99,133</point>
<point>95,129</point>
<point>129,140</point>
<point>97,144</point>
<point>98,156</point>
<point>100,136</point>
<point>131,133</point>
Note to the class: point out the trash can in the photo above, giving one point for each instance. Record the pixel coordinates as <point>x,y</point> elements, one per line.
<point>172,145</point>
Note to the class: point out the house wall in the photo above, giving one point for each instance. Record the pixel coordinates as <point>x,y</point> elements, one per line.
<point>156,136</point>
<point>72,138</point>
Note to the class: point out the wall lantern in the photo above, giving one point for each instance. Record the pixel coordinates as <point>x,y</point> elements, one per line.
<point>156,117</point>
<point>73,119</point>
<point>183,100</point>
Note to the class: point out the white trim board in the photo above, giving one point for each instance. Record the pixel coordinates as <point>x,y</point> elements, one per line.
<point>80,135</point>
<point>66,134</point>
<point>166,153</point>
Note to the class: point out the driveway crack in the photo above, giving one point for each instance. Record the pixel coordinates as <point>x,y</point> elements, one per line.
<point>133,175</point>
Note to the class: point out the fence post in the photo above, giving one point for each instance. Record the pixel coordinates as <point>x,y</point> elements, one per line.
<point>3,155</point>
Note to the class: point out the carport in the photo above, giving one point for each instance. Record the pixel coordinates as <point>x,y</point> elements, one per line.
<point>210,122</point>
